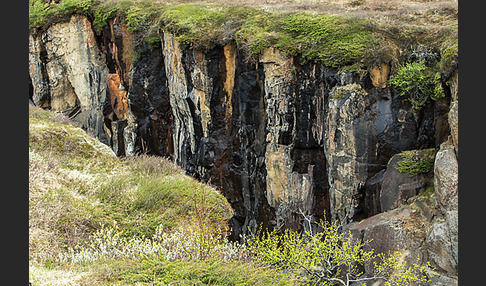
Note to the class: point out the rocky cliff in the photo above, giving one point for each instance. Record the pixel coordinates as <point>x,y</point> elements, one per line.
<point>281,137</point>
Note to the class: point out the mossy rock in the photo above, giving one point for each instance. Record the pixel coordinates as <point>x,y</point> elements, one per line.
<point>415,162</point>
<point>341,92</point>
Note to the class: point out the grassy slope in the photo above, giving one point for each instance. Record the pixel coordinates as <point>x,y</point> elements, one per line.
<point>77,187</point>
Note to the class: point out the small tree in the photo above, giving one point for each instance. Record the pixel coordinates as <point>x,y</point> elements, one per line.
<point>330,257</point>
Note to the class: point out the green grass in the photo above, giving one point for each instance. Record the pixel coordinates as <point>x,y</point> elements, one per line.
<point>53,136</point>
<point>335,39</point>
<point>162,272</point>
<point>95,219</point>
<point>203,27</point>
<point>42,15</point>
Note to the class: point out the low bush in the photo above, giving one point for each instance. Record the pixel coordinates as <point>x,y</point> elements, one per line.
<point>418,83</point>
<point>415,162</point>
<point>332,257</point>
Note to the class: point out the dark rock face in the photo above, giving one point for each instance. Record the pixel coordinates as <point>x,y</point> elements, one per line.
<point>148,96</point>
<point>281,139</point>
<point>143,125</point>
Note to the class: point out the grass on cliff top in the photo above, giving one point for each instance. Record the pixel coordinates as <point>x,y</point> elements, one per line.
<point>336,32</point>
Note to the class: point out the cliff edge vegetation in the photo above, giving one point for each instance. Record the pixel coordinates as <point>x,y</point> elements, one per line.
<point>339,33</point>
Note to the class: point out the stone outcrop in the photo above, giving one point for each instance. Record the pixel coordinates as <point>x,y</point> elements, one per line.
<point>403,229</point>
<point>398,187</point>
<point>279,137</point>
<point>442,239</point>
<point>428,218</point>
<point>446,177</point>
<point>454,110</point>
<point>69,73</point>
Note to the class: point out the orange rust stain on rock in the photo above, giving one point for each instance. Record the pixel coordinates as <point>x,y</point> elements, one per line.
<point>282,105</point>
<point>379,75</point>
<point>117,95</point>
<point>205,111</point>
<point>230,65</point>
<point>199,56</point>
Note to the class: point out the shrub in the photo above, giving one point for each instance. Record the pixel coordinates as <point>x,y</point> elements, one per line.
<point>418,83</point>
<point>417,161</point>
<point>331,257</point>
<point>188,242</point>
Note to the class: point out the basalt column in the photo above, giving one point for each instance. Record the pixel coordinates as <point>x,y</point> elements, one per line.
<point>296,180</point>
<point>138,112</point>
<point>219,126</point>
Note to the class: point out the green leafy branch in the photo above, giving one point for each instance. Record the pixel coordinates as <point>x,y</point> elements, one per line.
<point>332,257</point>
<point>418,83</point>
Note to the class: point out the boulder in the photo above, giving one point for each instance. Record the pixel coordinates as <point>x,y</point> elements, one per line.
<point>442,244</point>
<point>446,177</point>
<point>397,185</point>
<point>402,229</point>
